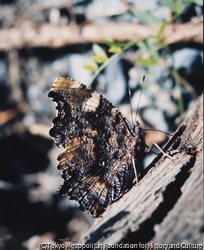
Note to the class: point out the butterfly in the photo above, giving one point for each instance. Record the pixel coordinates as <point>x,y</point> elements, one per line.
<point>100,146</point>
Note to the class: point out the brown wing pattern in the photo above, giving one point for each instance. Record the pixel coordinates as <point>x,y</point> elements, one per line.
<point>97,164</point>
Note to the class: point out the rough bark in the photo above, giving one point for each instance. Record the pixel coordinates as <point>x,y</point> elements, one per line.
<point>55,36</point>
<point>166,206</point>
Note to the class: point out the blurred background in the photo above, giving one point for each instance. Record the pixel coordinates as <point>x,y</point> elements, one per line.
<point>108,45</point>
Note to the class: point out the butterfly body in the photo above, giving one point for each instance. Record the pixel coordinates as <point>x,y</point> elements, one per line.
<point>100,145</point>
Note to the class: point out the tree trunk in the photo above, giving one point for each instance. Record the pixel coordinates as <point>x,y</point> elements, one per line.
<point>166,206</point>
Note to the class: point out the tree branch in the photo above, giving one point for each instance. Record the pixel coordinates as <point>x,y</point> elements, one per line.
<point>57,36</point>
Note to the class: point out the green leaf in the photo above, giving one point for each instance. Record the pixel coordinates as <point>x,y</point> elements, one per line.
<point>175,7</point>
<point>148,49</point>
<point>128,44</point>
<point>98,50</point>
<point>99,59</point>
<point>179,8</point>
<point>115,49</point>
<point>147,17</point>
<point>112,43</point>
<point>147,62</point>
<point>152,48</point>
<point>198,2</point>
<point>91,68</point>
<point>91,65</point>
<point>108,39</point>
<point>143,48</point>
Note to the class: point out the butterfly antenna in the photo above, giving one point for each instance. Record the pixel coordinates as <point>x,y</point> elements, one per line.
<point>158,130</point>
<point>143,80</point>
<point>129,92</point>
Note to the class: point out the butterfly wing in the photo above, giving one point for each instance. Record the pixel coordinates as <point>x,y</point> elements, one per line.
<point>100,144</point>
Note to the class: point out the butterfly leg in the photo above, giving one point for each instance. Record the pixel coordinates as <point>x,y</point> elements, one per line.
<point>156,145</point>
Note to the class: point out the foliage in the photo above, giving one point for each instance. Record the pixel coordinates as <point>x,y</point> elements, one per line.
<point>148,54</point>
